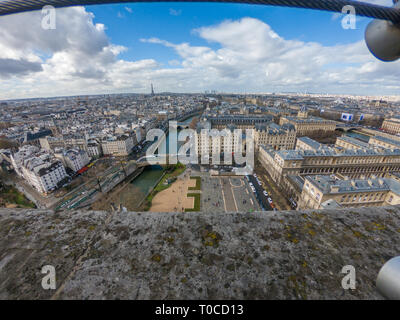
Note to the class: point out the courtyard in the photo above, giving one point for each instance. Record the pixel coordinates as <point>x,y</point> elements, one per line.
<point>226,194</point>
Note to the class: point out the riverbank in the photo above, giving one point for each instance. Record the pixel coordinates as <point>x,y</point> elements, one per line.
<point>170,178</point>
<point>10,197</point>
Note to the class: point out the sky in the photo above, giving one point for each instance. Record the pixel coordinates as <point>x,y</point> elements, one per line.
<point>189,47</point>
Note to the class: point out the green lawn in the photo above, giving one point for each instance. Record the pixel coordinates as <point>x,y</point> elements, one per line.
<point>196,197</point>
<point>198,183</point>
<point>10,195</point>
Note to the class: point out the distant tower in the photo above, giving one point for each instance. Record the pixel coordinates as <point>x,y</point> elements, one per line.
<point>152,90</point>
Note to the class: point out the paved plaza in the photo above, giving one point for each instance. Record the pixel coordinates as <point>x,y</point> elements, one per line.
<point>226,194</point>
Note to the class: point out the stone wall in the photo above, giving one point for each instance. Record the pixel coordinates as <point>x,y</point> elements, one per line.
<point>259,255</point>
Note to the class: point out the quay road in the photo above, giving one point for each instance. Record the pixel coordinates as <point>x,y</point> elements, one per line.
<point>94,188</point>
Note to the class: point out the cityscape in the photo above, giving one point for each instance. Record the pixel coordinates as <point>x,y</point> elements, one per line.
<point>310,151</point>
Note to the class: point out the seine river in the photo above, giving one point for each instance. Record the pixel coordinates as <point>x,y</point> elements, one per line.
<point>141,186</point>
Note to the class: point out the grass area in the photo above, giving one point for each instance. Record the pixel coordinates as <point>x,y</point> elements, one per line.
<point>198,184</point>
<point>196,197</point>
<point>171,173</point>
<point>11,196</point>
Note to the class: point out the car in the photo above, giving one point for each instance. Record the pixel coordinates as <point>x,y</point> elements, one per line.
<point>250,184</point>
<point>265,193</point>
<point>269,200</point>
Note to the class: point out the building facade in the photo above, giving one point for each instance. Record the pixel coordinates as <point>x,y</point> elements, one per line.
<point>275,136</point>
<point>320,190</point>
<point>391,125</point>
<point>310,125</point>
<point>117,146</point>
<point>40,169</point>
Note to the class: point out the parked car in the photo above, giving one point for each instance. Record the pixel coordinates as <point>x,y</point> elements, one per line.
<point>269,200</point>
<point>265,193</point>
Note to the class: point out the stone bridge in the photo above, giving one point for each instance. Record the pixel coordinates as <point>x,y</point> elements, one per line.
<point>347,128</point>
<point>133,255</point>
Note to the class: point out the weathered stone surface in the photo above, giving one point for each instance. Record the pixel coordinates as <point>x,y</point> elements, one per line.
<point>262,255</point>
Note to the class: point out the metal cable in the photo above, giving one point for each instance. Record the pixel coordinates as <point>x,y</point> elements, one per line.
<point>362,8</point>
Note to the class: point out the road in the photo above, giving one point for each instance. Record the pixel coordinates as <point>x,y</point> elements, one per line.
<point>89,191</point>
<point>262,199</point>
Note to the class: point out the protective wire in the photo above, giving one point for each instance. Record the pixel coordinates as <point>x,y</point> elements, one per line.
<point>361,8</point>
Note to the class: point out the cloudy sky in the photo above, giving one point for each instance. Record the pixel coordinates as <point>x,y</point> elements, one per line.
<point>188,47</point>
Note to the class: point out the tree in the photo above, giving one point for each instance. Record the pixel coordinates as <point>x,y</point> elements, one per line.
<point>193,123</point>
<point>7,143</point>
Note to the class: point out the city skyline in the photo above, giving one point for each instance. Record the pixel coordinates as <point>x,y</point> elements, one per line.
<point>242,49</point>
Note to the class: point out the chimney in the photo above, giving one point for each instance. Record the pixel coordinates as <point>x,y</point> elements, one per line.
<point>334,188</point>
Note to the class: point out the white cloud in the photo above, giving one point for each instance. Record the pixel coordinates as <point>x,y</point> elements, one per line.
<point>78,58</point>
<point>174,12</point>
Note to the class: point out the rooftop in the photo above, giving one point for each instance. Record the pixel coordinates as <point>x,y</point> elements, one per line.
<point>325,182</point>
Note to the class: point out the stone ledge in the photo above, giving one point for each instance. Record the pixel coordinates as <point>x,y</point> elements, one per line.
<point>259,255</point>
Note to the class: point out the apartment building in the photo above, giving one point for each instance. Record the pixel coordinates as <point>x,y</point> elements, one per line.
<point>239,121</point>
<point>384,142</point>
<point>66,142</point>
<point>40,169</point>
<point>310,125</point>
<point>94,148</point>
<point>117,145</point>
<point>321,191</point>
<point>391,125</point>
<point>213,141</point>
<point>350,163</point>
<point>74,159</point>
<point>275,136</point>
<point>351,143</point>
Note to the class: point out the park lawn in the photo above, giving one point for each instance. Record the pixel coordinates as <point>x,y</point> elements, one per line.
<point>196,197</point>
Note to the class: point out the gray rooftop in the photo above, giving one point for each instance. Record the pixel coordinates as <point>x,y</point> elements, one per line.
<point>325,182</point>
<point>312,143</point>
<point>356,142</point>
<point>387,140</point>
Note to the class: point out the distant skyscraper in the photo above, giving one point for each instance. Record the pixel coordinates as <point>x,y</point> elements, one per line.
<point>152,90</point>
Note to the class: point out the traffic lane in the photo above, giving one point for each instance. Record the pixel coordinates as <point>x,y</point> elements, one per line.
<point>260,195</point>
